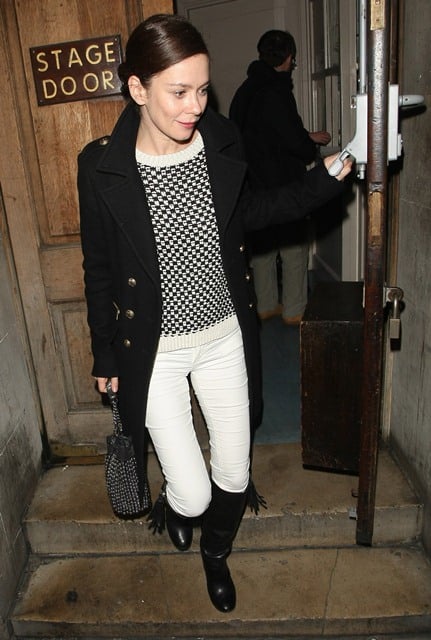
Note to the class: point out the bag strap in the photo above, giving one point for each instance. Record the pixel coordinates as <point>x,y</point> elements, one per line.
<point>113,399</point>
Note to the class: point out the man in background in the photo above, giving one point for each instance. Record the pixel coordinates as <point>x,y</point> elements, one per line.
<point>278,150</point>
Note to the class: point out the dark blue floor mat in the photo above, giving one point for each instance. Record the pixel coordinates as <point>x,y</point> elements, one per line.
<point>281,383</point>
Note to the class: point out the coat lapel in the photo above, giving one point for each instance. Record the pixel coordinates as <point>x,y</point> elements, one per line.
<point>124,194</point>
<point>226,173</point>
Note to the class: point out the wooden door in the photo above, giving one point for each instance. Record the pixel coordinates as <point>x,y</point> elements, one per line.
<point>40,144</point>
<point>382,29</point>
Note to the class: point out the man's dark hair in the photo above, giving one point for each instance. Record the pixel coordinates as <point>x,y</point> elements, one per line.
<point>275,46</point>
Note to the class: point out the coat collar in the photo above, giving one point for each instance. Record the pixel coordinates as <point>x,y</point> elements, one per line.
<point>119,157</point>
<point>226,171</point>
<point>121,149</point>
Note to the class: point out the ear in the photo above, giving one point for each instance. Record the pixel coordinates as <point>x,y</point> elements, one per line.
<point>285,65</point>
<point>137,90</point>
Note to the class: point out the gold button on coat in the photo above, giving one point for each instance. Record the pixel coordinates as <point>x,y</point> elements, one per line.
<point>242,248</point>
<point>130,314</point>
<point>127,343</point>
<point>131,282</point>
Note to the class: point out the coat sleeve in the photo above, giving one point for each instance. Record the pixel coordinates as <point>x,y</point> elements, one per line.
<point>266,207</point>
<point>98,276</point>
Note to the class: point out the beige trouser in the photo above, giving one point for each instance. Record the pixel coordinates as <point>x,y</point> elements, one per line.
<point>294,266</point>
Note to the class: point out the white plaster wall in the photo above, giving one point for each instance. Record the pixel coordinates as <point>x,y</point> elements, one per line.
<point>411,390</point>
<point>20,440</point>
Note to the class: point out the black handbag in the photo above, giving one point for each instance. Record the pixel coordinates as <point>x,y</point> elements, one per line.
<point>127,498</point>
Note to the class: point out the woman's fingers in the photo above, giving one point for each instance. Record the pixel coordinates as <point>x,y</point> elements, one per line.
<point>102,382</point>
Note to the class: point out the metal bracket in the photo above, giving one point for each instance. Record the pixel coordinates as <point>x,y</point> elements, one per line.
<point>357,147</point>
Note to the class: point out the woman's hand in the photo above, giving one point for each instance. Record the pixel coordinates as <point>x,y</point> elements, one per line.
<point>102,382</point>
<point>347,165</point>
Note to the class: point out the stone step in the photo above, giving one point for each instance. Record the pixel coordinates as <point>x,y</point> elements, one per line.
<point>290,593</point>
<point>70,513</point>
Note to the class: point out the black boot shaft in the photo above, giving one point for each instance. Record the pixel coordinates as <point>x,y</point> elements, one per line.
<point>221,520</point>
<point>219,526</point>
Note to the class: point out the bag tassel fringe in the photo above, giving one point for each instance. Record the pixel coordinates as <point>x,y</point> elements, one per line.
<point>157,515</point>
<point>254,499</point>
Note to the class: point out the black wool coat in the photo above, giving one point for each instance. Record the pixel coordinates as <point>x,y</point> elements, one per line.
<point>121,273</point>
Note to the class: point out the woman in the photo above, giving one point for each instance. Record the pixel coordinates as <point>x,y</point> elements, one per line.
<point>164,210</point>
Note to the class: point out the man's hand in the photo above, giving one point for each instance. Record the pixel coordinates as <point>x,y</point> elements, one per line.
<point>320,137</point>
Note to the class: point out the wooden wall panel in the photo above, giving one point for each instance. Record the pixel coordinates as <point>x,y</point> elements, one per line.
<point>70,325</point>
<point>62,273</point>
<point>61,130</point>
<point>156,6</point>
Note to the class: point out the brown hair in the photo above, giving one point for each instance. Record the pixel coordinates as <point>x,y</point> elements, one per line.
<point>156,44</point>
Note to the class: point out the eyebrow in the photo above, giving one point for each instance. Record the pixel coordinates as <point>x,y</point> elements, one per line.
<point>187,86</point>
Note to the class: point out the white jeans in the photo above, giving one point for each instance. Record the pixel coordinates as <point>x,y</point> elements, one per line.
<point>219,378</point>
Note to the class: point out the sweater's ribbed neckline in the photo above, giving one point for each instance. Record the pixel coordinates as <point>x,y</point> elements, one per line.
<point>172,159</point>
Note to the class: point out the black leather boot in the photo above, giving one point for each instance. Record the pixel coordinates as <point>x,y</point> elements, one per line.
<point>180,529</point>
<point>221,588</point>
<point>219,526</point>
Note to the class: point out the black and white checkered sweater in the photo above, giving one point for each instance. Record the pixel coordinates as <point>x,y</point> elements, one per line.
<point>197,305</point>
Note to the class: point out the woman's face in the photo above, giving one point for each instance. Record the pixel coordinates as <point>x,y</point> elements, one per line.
<point>173,103</point>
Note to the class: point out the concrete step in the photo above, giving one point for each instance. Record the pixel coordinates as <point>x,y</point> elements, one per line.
<point>360,592</point>
<point>297,569</point>
<point>70,513</point>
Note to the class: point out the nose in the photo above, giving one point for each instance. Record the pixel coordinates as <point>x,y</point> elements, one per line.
<point>196,104</point>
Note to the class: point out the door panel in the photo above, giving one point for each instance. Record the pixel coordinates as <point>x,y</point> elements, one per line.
<point>38,179</point>
<point>69,320</point>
